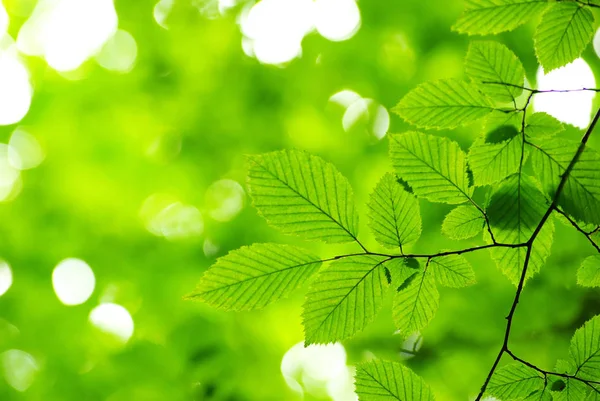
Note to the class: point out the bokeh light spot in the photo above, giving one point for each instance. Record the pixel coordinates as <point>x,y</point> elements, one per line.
<point>6,278</point>
<point>15,88</point>
<point>20,369</point>
<point>224,199</point>
<point>113,319</point>
<point>164,216</point>
<point>73,281</point>
<point>337,19</point>
<point>119,53</point>
<point>24,151</point>
<point>161,12</point>
<point>10,177</point>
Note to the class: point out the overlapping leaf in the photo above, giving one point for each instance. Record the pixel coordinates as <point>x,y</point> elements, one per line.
<point>416,303</point>
<point>303,195</point>
<point>515,382</point>
<point>588,274</point>
<point>574,390</point>
<point>585,350</point>
<point>542,125</point>
<point>493,162</point>
<point>447,103</point>
<point>463,222</point>
<point>452,271</point>
<point>434,167</point>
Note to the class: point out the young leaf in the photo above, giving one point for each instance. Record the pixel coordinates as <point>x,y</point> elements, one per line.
<point>254,276</point>
<point>434,167</point>
<point>484,17</point>
<point>395,218</point>
<point>304,195</point>
<point>344,298</point>
<point>496,69</point>
<point>515,210</point>
<point>542,125</point>
<point>580,196</point>
<point>447,103</point>
<point>562,35</point>
<point>453,271</point>
<point>493,162</point>
<point>588,274</point>
<point>416,303</point>
<point>585,350</point>
<point>463,222</point>
<point>383,380</point>
<point>515,382</point>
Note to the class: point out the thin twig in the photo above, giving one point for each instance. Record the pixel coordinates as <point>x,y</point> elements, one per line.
<point>574,224</point>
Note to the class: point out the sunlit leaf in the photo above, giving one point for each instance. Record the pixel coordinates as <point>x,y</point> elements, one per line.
<point>416,303</point>
<point>453,271</point>
<point>493,162</point>
<point>463,222</point>
<point>588,274</point>
<point>585,350</point>
<point>515,382</point>
<point>542,125</point>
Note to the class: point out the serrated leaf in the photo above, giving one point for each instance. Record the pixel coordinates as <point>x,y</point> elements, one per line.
<point>515,382</point>
<point>416,303</point>
<point>434,167</point>
<point>447,103</point>
<point>574,390</point>
<point>588,274</point>
<point>344,298</point>
<point>395,217</point>
<point>493,162</point>
<point>453,271</point>
<point>585,350</point>
<point>580,196</point>
<point>386,381</point>
<point>254,276</point>
<point>303,195</point>
<point>484,17</point>
<point>496,70</point>
<point>563,34</point>
<point>542,125</point>
<point>463,222</point>
<point>515,210</point>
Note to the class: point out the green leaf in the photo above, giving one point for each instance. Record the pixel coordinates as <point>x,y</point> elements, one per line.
<point>542,125</point>
<point>515,210</point>
<point>463,222</point>
<point>585,350</point>
<point>416,303</point>
<point>574,390</point>
<point>588,274</point>
<point>580,196</point>
<point>491,163</point>
<point>254,276</point>
<point>594,394</point>
<point>345,297</point>
<point>395,218</point>
<point>496,70</point>
<point>303,195</point>
<point>484,17</point>
<point>563,34</point>
<point>541,395</point>
<point>515,382</point>
<point>447,103</point>
<point>386,381</point>
<point>434,167</point>
<point>453,271</point>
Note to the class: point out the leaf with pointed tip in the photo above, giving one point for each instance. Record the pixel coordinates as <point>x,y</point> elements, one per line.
<point>390,381</point>
<point>463,222</point>
<point>515,210</point>
<point>453,271</point>
<point>303,195</point>
<point>515,382</point>
<point>585,350</point>
<point>395,218</point>
<point>484,17</point>
<point>434,167</point>
<point>345,297</point>
<point>415,303</point>
<point>588,274</point>
<point>563,34</point>
<point>254,276</point>
<point>447,103</point>
<point>496,69</point>
<point>542,125</point>
<point>493,162</point>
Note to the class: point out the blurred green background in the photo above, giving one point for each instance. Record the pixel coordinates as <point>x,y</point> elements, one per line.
<point>122,179</point>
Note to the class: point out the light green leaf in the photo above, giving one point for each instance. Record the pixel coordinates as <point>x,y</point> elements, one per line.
<point>344,298</point>
<point>542,125</point>
<point>574,390</point>
<point>463,222</point>
<point>484,17</point>
<point>453,271</point>
<point>493,162</point>
<point>446,103</point>
<point>515,382</point>
<point>434,167</point>
<point>387,381</point>
<point>496,70</point>
<point>585,350</point>
<point>303,195</point>
<point>588,274</point>
<point>515,210</point>
<point>254,276</point>
<point>580,196</point>
<point>541,395</point>
<point>563,34</point>
<point>395,218</point>
<point>416,303</point>
<point>594,394</point>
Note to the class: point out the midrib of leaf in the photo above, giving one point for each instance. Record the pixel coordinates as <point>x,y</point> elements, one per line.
<point>452,270</point>
<point>383,386</point>
<point>562,36</point>
<point>316,193</point>
<point>498,77</point>
<point>412,313</point>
